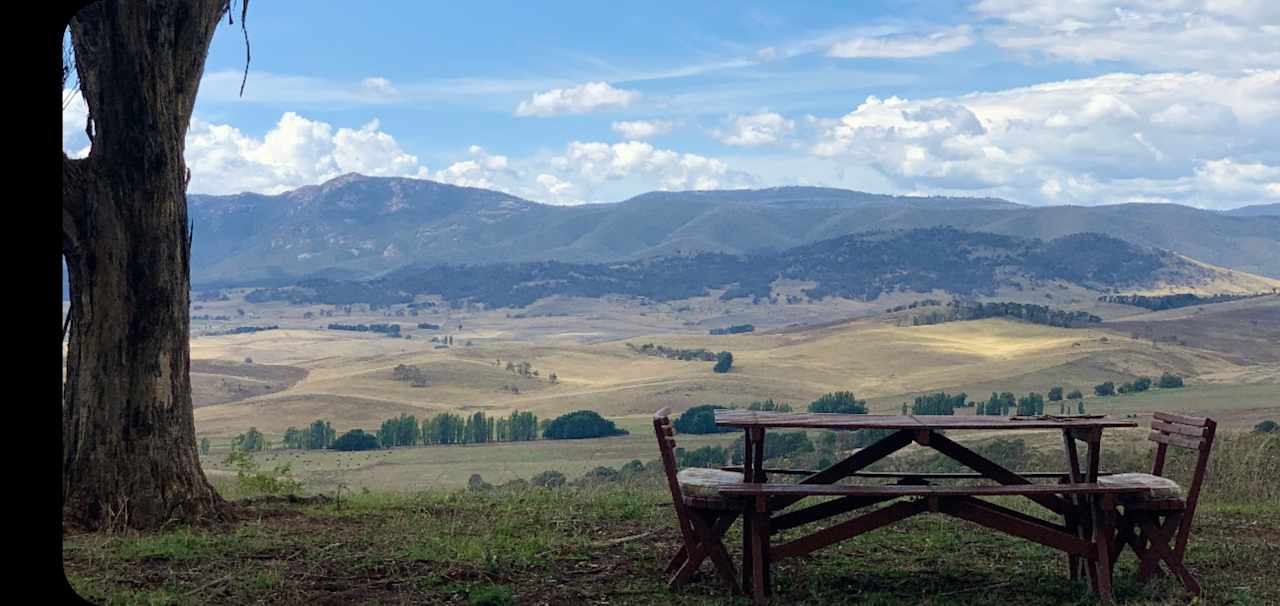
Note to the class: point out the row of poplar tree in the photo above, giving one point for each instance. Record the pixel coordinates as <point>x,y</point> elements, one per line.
<point>443,428</point>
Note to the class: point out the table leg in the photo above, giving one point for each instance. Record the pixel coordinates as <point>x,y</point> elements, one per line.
<point>747,561</point>
<point>1071,520</point>
<point>1093,438</point>
<point>760,551</point>
<point>1103,517</point>
<point>758,454</point>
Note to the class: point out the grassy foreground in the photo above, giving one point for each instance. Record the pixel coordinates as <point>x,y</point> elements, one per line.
<point>608,544</point>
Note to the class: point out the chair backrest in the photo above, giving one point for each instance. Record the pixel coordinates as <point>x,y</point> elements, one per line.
<point>667,449</point>
<point>1182,431</point>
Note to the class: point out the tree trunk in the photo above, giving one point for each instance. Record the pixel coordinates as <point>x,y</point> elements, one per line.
<point>129,446</point>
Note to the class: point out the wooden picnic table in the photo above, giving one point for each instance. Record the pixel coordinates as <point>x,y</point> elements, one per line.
<point>1087,507</point>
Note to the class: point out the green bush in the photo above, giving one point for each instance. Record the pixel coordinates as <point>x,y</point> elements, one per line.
<point>839,402</point>
<point>777,445</point>
<point>724,361</point>
<point>769,406</point>
<point>1267,426</point>
<point>549,479</point>
<point>1105,389</point>
<point>707,456</point>
<point>356,439</point>
<point>581,424</point>
<point>1075,395</point>
<point>700,419</point>
<point>1170,381</point>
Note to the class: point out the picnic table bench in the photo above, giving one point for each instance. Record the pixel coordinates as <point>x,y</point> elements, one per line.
<point>1087,507</point>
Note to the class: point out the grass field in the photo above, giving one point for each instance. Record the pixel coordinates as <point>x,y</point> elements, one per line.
<point>608,544</point>
<point>304,374</point>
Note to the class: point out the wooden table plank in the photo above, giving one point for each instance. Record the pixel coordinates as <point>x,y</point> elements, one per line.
<point>941,491</point>
<point>818,420</point>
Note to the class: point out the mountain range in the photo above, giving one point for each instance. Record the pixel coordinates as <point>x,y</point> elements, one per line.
<point>859,266</point>
<point>358,227</point>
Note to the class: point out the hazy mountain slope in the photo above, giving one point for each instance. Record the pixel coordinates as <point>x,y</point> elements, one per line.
<point>1257,210</point>
<point>356,226</point>
<point>856,266</point>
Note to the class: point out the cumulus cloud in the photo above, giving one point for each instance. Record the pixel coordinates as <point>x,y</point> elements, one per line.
<point>903,46</point>
<point>295,152</point>
<point>482,170</point>
<point>1206,35</point>
<point>642,129</point>
<point>1195,138</point>
<point>763,128</point>
<point>596,163</point>
<point>588,97</point>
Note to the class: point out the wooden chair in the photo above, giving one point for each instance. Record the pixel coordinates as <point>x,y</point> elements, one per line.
<point>1157,526</point>
<point>703,514</point>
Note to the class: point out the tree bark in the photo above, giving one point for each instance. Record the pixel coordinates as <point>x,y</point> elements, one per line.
<point>129,446</point>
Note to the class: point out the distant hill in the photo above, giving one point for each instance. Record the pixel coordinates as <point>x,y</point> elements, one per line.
<point>1257,210</point>
<point>857,266</point>
<point>356,227</point>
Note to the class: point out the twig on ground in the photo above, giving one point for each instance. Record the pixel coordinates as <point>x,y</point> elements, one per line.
<point>618,541</point>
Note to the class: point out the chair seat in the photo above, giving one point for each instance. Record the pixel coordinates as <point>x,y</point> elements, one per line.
<point>704,482</point>
<point>1162,489</point>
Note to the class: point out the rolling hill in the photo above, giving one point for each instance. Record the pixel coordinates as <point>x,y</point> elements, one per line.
<point>358,227</point>
<point>856,267</point>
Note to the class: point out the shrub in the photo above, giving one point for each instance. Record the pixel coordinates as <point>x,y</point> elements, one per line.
<point>724,361</point>
<point>700,419</point>
<point>356,439</point>
<point>581,424</point>
<point>780,444</point>
<point>250,440</point>
<point>1075,395</point>
<point>1105,389</point>
<point>632,468</point>
<point>549,479</point>
<point>1170,381</point>
<point>1055,394</point>
<point>1142,384</point>
<point>251,480</point>
<point>769,406</point>
<point>475,482</point>
<point>707,456</point>
<point>1267,426</point>
<point>841,402</point>
<point>600,474</point>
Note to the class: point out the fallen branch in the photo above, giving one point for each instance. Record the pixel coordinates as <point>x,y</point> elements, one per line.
<point>619,541</point>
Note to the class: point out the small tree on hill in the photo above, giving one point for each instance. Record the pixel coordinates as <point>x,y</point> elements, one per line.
<point>581,424</point>
<point>1267,426</point>
<point>839,402</point>
<point>1170,381</point>
<point>700,419</point>
<point>356,439</point>
<point>1075,395</point>
<point>1055,394</point>
<point>1105,389</point>
<point>724,361</point>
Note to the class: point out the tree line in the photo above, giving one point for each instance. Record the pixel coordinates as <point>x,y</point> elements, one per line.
<point>440,429</point>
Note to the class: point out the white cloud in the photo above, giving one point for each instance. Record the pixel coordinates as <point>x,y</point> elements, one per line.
<point>483,170</point>
<point>1206,35</point>
<point>379,86</point>
<point>642,129</point>
<point>296,152</point>
<point>769,53</point>
<point>75,115</point>
<point>588,97</point>
<point>763,128</point>
<point>1194,138</point>
<point>597,163</point>
<point>902,46</point>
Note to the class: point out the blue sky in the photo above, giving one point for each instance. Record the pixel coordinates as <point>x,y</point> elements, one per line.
<point>572,102</point>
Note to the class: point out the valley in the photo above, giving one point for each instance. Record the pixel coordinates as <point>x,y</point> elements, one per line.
<point>795,353</point>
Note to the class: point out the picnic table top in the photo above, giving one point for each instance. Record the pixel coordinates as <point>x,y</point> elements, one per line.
<point>819,420</point>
